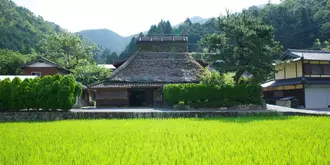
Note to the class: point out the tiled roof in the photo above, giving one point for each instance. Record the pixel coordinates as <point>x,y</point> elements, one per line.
<point>308,54</point>
<point>294,81</point>
<point>45,60</point>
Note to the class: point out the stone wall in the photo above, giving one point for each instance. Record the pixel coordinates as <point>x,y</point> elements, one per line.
<point>52,116</point>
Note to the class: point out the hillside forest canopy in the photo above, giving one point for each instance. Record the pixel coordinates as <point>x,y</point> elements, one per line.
<point>298,24</point>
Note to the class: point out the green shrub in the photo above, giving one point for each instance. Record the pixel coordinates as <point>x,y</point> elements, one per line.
<point>207,96</point>
<point>34,101</point>
<point>15,103</point>
<point>25,90</point>
<point>180,106</point>
<point>5,91</point>
<point>67,93</point>
<point>46,93</point>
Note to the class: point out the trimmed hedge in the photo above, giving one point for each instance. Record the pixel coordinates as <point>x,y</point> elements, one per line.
<point>47,93</point>
<point>207,96</point>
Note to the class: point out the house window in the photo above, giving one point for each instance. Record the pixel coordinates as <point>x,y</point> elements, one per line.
<point>36,73</point>
<point>313,69</point>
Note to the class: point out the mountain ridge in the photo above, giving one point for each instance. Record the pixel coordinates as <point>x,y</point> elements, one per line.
<point>106,38</point>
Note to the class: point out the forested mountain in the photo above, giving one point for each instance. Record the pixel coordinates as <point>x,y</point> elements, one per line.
<point>21,30</point>
<point>297,23</point>
<point>106,39</point>
<point>24,35</point>
<point>198,19</point>
<point>24,32</point>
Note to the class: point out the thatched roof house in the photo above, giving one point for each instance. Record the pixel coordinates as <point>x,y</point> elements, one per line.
<point>159,60</point>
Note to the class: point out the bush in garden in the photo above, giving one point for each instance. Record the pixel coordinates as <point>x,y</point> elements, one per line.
<point>212,78</point>
<point>5,91</point>
<point>15,103</point>
<point>25,89</point>
<point>207,96</point>
<point>34,101</point>
<point>67,95</point>
<point>55,88</point>
<point>47,93</point>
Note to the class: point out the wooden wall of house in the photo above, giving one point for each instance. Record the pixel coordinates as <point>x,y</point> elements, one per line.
<point>285,91</point>
<point>325,70</point>
<point>112,97</point>
<point>289,70</point>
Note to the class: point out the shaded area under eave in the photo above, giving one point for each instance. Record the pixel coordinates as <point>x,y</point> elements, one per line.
<point>299,80</point>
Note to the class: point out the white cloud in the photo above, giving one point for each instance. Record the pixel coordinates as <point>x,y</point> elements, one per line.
<point>128,17</point>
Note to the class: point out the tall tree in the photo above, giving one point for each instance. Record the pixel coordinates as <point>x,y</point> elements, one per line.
<point>10,62</point>
<point>168,28</point>
<point>153,30</point>
<point>114,56</point>
<point>67,50</point>
<point>106,56</point>
<point>187,22</point>
<point>245,44</point>
<point>90,74</point>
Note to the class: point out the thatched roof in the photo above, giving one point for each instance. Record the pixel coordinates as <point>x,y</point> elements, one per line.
<point>165,67</point>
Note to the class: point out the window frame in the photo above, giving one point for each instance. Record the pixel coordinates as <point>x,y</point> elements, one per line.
<point>308,69</point>
<point>36,74</point>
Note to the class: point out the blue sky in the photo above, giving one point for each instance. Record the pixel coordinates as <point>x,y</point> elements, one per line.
<point>127,17</point>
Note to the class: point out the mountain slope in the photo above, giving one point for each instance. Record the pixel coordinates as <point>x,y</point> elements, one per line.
<point>195,19</point>
<point>198,19</point>
<point>20,29</point>
<point>106,38</point>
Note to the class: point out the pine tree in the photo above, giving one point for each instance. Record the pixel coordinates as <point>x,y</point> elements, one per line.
<point>168,28</point>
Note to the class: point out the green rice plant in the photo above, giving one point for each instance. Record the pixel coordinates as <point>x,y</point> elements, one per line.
<point>237,140</point>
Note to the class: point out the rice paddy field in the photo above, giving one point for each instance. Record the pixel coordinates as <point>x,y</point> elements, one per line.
<point>246,140</point>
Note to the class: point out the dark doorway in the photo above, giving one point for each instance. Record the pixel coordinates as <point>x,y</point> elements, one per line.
<point>138,98</point>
